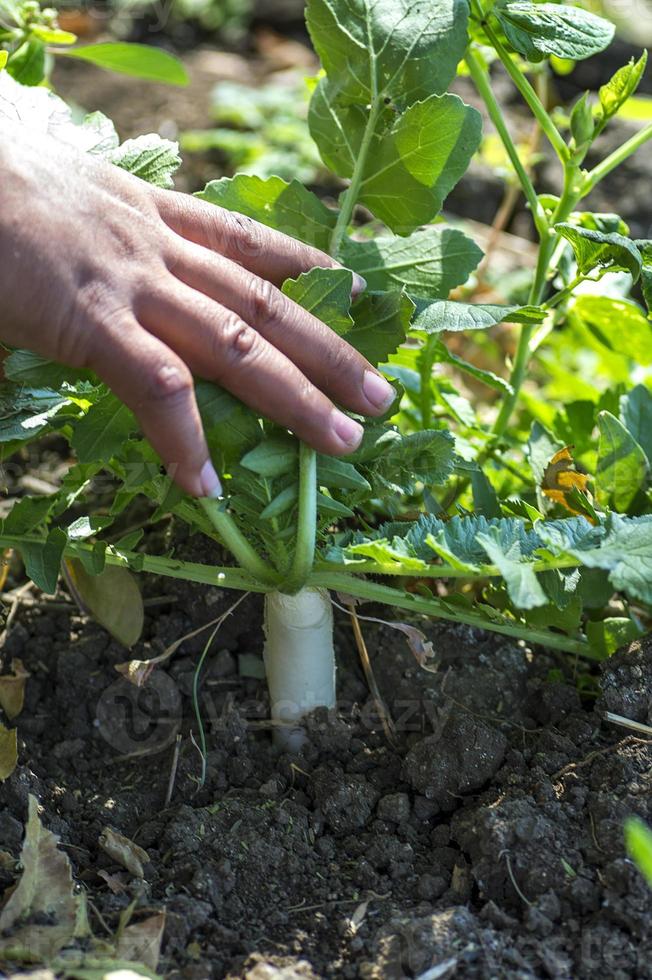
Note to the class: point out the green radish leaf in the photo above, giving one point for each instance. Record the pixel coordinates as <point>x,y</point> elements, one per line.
<point>4,58</point>
<point>613,321</point>
<point>485,500</point>
<point>86,527</point>
<point>149,157</point>
<point>537,30</point>
<point>272,458</point>
<point>137,60</point>
<point>608,635</point>
<point>281,503</point>
<point>100,433</point>
<point>27,368</point>
<point>381,323</point>
<point>112,598</point>
<point>638,840</point>
<point>401,49</point>
<point>618,90</point>
<point>645,248</point>
<point>289,208</point>
<point>622,466</point>
<point>597,250</point>
<point>415,158</point>
<point>522,584</point>
<point>326,293</point>
<point>333,472</point>
<point>27,514</point>
<point>333,508</point>
<point>215,404</point>
<point>447,315</point>
<point>395,464</point>
<point>25,412</point>
<point>43,560</point>
<point>636,416</point>
<point>27,64</point>
<point>625,551</point>
<point>427,263</point>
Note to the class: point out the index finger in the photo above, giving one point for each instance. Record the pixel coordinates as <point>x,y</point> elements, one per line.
<point>264,251</point>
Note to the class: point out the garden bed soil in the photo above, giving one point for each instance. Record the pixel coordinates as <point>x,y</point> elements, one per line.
<point>485,840</point>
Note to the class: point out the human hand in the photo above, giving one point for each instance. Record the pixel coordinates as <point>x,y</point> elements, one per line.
<point>147,287</point>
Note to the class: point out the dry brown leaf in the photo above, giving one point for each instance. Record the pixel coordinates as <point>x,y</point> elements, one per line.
<point>5,563</point>
<point>8,751</point>
<point>12,689</point>
<point>43,894</point>
<point>124,851</point>
<point>114,882</point>
<point>141,942</point>
<point>138,672</point>
<point>418,642</point>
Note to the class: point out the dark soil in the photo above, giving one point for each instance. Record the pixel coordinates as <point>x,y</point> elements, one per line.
<point>488,837</point>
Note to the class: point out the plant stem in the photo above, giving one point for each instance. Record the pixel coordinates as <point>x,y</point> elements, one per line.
<point>440,571</point>
<point>223,576</point>
<point>571,193</point>
<point>527,91</point>
<point>482,82</point>
<point>364,589</point>
<point>304,553</point>
<point>350,196</point>
<point>614,159</point>
<point>236,542</point>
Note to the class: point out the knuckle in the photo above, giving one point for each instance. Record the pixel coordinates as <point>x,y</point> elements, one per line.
<point>238,342</point>
<point>168,383</point>
<point>267,303</point>
<point>246,237</point>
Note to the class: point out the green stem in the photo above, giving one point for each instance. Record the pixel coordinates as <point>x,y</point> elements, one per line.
<point>222,576</point>
<point>304,554</point>
<point>570,195</point>
<point>482,82</point>
<point>364,589</point>
<point>614,159</point>
<point>527,91</point>
<point>440,571</point>
<point>236,542</point>
<point>350,197</point>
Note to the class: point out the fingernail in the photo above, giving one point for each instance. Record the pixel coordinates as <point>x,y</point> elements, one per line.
<point>346,429</point>
<point>210,481</point>
<point>359,285</point>
<point>379,391</point>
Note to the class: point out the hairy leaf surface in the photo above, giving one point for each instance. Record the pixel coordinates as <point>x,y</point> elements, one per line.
<point>428,263</point>
<point>537,30</point>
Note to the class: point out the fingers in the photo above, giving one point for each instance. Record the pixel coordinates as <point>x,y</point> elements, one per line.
<point>158,387</point>
<point>262,250</point>
<point>326,359</point>
<point>218,345</point>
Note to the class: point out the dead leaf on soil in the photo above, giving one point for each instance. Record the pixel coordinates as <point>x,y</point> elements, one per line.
<point>112,598</point>
<point>141,942</point>
<point>138,672</point>
<point>419,644</point>
<point>5,563</point>
<point>12,689</point>
<point>124,851</point>
<point>114,882</point>
<point>8,751</point>
<point>44,894</point>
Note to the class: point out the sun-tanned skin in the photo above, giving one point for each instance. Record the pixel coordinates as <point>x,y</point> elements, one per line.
<point>147,287</point>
